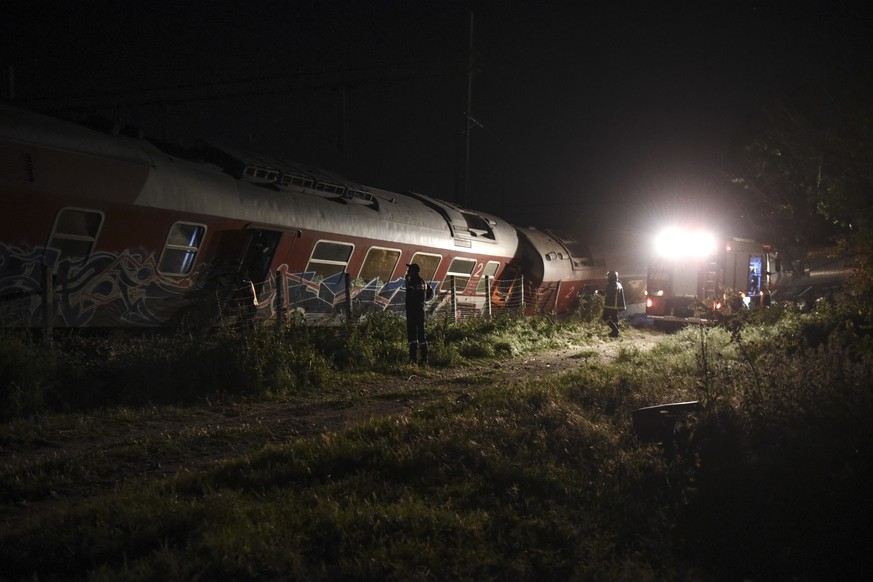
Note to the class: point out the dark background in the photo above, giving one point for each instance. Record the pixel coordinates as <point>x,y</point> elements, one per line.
<point>604,119</point>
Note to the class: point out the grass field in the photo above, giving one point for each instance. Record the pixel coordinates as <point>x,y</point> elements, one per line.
<point>481,476</point>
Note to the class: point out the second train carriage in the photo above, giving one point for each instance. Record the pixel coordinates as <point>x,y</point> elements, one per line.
<point>103,230</point>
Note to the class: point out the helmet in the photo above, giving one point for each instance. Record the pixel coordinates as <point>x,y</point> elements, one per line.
<point>612,276</point>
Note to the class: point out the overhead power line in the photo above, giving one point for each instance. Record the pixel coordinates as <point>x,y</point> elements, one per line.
<point>277,85</point>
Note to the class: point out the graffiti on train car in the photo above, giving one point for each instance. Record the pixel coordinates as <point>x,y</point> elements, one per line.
<point>126,287</point>
<point>20,276</point>
<point>108,287</point>
<point>319,298</point>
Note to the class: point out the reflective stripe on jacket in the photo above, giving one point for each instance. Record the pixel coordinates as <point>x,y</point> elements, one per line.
<point>614,297</point>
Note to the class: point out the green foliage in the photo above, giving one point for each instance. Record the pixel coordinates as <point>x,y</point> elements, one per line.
<point>85,371</point>
<point>25,375</point>
<point>806,174</point>
<point>498,337</point>
<point>282,363</point>
<point>784,454</point>
<point>521,480</point>
<point>807,165</point>
<point>590,308</point>
<point>376,342</point>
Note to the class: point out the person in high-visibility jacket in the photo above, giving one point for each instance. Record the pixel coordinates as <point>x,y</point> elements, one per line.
<point>613,302</point>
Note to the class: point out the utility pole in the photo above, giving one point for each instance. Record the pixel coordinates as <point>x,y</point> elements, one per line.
<point>11,88</point>
<point>342,125</point>
<point>462,179</point>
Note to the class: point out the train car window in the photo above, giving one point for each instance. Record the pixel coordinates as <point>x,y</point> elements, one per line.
<point>461,269</point>
<point>75,232</point>
<point>329,258</point>
<point>428,264</point>
<point>379,264</point>
<point>181,248</point>
<point>287,180</point>
<point>330,187</point>
<point>489,271</point>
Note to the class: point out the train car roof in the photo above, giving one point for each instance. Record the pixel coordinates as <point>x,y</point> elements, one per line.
<point>561,256</point>
<point>218,180</point>
<point>350,209</point>
<point>32,128</point>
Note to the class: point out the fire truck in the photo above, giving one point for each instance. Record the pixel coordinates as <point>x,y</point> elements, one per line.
<point>693,269</point>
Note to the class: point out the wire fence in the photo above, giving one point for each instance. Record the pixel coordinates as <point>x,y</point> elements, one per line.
<point>279,299</point>
<point>289,298</point>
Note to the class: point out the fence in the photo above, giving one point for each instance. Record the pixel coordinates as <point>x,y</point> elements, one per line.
<point>293,298</point>
<point>282,297</point>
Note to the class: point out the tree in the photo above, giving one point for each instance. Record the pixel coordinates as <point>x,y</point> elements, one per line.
<point>808,170</point>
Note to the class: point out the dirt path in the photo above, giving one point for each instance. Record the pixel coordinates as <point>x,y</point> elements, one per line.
<point>233,430</point>
<point>374,399</point>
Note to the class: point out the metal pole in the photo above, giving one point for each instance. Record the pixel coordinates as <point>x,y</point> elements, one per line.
<point>454,298</point>
<point>462,173</point>
<point>11,89</point>
<point>557,297</point>
<point>522,294</point>
<point>467,114</point>
<point>488,295</point>
<point>48,297</point>
<point>348,297</point>
<point>280,299</point>
<point>343,121</point>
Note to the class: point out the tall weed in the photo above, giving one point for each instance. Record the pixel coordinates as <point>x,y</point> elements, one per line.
<point>25,375</point>
<point>85,371</point>
<point>777,473</point>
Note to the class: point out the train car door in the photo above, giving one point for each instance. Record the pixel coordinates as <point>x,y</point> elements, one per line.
<point>756,274</point>
<point>259,255</point>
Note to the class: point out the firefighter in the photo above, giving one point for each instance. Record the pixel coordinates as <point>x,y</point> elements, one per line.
<point>418,292</point>
<point>613,302</point>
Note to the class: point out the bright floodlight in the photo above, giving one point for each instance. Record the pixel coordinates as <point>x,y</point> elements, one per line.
<point>676,243</point>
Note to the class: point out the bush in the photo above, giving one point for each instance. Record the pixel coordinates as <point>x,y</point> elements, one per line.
<point>590,308</point>
<point>779,469</point>
<point>25,375</point>
<point>376,342</point>
<point>87,371</point>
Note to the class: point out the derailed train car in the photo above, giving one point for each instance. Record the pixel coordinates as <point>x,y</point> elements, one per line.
<point>105,230</point>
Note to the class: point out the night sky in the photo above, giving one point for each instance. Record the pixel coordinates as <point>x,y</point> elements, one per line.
<point>600,118</point>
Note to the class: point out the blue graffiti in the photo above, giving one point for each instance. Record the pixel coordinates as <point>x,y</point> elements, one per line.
<point>126,289</point>
<point>105,289</point>
<point>327,297</point>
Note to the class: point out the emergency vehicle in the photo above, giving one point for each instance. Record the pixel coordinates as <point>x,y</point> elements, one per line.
<point>690,269</point>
